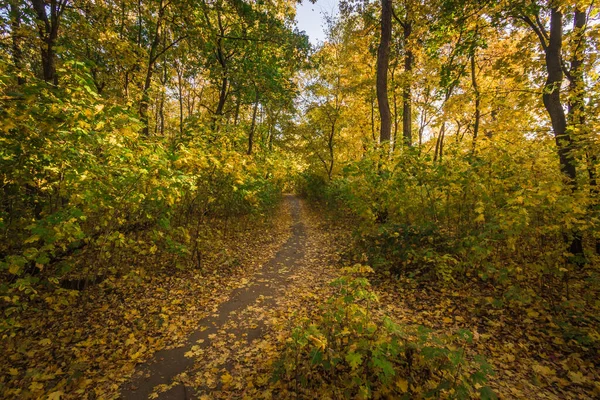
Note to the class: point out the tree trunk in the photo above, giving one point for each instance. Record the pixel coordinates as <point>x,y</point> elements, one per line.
<point>253,125</point>
<point>552,101</point>
<point>439,144</point>
<point>145,101</point>
<point>373,119</point>
<point>330,147</point>
<point>576,107</point>
<point>17,51</point>
<point>554,107</point>
<point>163,95</point>
<point>477,101</point>
<point>220,54</point>
<point>161,114</point>
<point>221,104</point>
<point>236,117</point>
<point>406,90</point>
<point>48,31</point>
<point>180,93</point>
<point>383,59</point>
<point>394,135</point>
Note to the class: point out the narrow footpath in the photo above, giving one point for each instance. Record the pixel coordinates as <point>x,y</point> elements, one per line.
<point>228,341</point>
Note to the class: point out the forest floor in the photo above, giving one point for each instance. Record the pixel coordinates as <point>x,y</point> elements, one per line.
<point>231,354</point>
<point>179,333</point>
<point>216,333</point>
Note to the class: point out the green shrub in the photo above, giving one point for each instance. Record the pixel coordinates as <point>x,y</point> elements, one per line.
<point>82,192</point>
<point>351,352</point>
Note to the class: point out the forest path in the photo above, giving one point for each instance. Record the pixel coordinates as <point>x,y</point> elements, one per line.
<point>223,339</point>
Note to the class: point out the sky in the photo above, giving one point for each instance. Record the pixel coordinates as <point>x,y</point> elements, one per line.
<point>311,17</point>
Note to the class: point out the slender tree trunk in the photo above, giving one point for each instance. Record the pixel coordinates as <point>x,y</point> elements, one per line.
<point>139,23</point>
<point>592,163</point>
<point>222,98</point>
<point>224,81</point>
<point>253,124</point>
<point>394,136</point>
<point>145,101</point>
<point>406,90</point>
<point>163,95</point>
<point>180,93</point>
<point>477,101</point>
<point>126,85</point>
<point>238,103</point>
<point>161,114</point>
<point>373,119</point>
<point>439,144</point>
<point>383,59</point>
<point>330,147</point>
<point>15,27</point>
<point>576,106</point>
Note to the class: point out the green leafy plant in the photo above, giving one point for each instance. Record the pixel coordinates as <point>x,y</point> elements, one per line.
<point>353,351</point>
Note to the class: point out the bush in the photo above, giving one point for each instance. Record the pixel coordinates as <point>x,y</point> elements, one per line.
<point>83,193</point>
<point>503,213</point>
<point>350,352</point>
<point>312,186</point>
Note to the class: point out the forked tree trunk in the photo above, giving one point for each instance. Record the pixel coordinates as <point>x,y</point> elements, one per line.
<point>48,31</point>
<point>554,107</point>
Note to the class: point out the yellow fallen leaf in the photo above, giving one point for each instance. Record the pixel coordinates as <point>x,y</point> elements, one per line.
<point>55,395</point>
<point>226,378</point>
<point>577,377</point>
<point>543,370</point>
<point>402,385</point>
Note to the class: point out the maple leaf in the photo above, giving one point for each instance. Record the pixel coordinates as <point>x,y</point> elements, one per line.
<point>354,360</point>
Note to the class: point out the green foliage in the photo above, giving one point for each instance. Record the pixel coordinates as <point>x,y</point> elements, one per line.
<point>312,186</point>
<point>351,351</point>
<point>83,194</point>
<point>501,214</point>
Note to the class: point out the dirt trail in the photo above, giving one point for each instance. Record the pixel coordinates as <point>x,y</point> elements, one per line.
<point>229,319</point>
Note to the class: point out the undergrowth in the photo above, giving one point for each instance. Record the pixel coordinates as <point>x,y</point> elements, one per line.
<point>350,352</point>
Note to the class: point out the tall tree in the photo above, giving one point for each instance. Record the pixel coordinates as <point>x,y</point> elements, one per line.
<point>383,60</point>
<point>407,28</point>
<point>551,42</point>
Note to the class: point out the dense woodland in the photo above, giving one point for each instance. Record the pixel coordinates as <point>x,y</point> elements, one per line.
<point>451,147</point>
